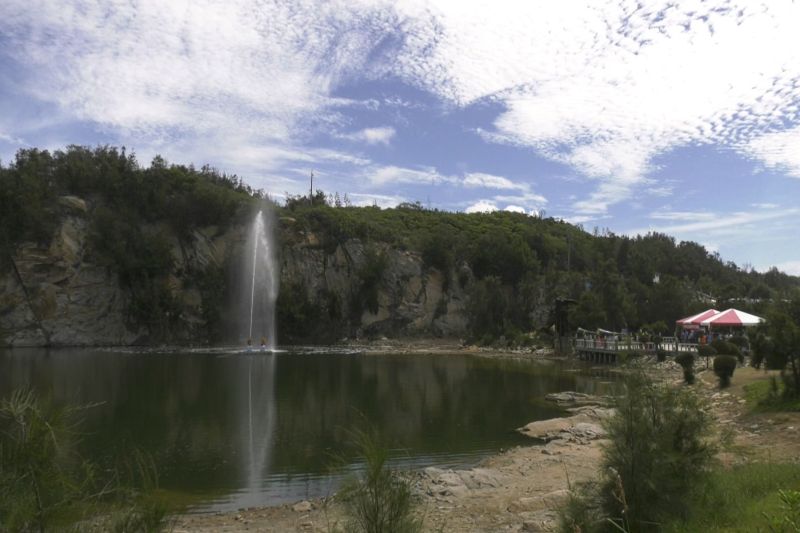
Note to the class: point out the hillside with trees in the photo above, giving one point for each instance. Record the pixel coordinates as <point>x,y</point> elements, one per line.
<point>511,266</point>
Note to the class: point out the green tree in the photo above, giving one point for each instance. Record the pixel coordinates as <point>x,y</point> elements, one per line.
<point>658,449</point>
<point>781,347</point>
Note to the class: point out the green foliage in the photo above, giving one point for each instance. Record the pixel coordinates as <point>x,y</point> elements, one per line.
<point>778,343</point>
<point>378,500</point>
<point>297,316</point>
<point>771,395</point>
<point>743,498</point>
<point>436,249</point>
<point>686,360</point>
<point>740,341</point>
<point>535,259</point>
<point>129,210</point>
<point>661,355</point>
<point>657,453</point>
<point>789,518</point>
<point>583,511</point>
<point>706,350</point>
<point>211,283</point>
<point>38,473</point>
<point>487,307</point>
<point>625,357</point>
<point>44,483</point>
<point>726,348</point>
<point>370,274</point>
<point>654,464</point>
<point>724,366</point>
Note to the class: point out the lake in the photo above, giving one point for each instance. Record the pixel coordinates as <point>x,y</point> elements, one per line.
<point>229,429</point>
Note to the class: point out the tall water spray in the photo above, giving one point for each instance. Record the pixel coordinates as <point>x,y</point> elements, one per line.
<point>262,273</point>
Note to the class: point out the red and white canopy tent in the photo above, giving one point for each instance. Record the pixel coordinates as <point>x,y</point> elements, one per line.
<point>732,317</point>
<point>695,320</point>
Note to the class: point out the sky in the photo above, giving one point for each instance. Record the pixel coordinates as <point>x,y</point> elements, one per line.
<point>632,116</point>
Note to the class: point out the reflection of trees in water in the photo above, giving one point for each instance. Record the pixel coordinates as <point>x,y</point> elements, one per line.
<point>195,412</point>
<point>426,404</point>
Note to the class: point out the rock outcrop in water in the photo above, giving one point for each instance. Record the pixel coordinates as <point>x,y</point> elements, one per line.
<point>62,294</point>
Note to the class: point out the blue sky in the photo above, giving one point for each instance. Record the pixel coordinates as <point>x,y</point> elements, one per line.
<point>680,117</point>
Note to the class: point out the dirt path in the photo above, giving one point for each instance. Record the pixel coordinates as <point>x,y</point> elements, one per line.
<point>517,490</point>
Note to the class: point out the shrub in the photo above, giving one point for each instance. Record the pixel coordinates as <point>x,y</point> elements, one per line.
<point>739,341</point>
<point>706,350</point>
<point>44,483</point>
<point>686,360</point>
<point>661,355</point>
<point>789,519</point>
<point>657,451</point>
<point>726,348</point>
<point>583,510</point>
<point>724,365</point>
<point>378,501</point>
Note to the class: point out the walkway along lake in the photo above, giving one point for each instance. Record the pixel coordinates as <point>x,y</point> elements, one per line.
<point>230,429</point>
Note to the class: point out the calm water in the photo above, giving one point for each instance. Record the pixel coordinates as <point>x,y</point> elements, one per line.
<point>236,429</point>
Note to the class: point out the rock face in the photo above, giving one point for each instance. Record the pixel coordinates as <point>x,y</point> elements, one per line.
<point>411,299</point>
<point>61,294</point>
<point>51,296</point>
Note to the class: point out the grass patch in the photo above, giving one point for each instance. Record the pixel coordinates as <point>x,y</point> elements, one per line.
<point>769,396</point>
<point>744,498</point>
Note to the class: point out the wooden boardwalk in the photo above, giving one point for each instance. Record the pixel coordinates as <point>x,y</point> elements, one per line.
<point>607,350</point>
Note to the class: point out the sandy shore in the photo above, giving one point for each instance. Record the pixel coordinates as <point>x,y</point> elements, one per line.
<point>519,490</point>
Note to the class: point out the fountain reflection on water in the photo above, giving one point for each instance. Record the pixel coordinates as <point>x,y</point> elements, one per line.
<point>261,422</point>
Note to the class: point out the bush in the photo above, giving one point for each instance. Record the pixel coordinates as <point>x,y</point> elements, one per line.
<point>724,365</point>
<point>378,501</point>
<point>726,348</point>
<point>706,350</point>
<point>739,341</point>
<point>654,463</point>
<point>686,360</point>
<point>657,451</point>
<point>44,484</point>
<point>661,355</point>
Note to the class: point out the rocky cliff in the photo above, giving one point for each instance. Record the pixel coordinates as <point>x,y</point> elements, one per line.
<point>62,294</point>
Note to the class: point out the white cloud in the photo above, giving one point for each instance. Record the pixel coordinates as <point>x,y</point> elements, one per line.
<point>489,181</point>
<point>382,201</point>
<point>381,135</point>
<point>530,200</point>
<point>689,216</point>
<point>778,150</point>
<point>606,86</point>
<point>481,206</point>
<point>790,267</point>
<point>397,175</point>
<point>601,86</point>
<point>765,205</point>
<point>721,223</point>
<point>237,81</point>
<point>514,209</point>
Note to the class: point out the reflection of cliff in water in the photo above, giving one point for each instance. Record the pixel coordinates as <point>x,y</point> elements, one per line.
<point>256,426</point>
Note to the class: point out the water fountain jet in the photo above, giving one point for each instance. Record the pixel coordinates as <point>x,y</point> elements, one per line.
<point>264,279</point>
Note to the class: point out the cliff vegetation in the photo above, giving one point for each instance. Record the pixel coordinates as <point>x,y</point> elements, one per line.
<point>163,240</point>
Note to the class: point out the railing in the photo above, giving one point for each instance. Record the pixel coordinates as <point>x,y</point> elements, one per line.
<point>630,345</point>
